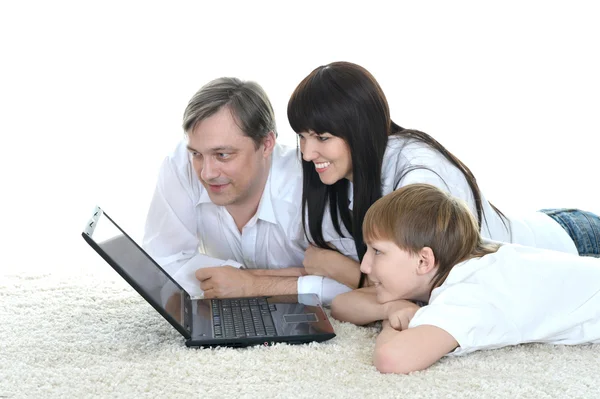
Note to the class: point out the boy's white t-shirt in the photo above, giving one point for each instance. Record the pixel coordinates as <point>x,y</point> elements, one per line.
<point>517,295</point>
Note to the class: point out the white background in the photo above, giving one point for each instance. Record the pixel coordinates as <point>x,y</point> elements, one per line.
<point>91,97</point>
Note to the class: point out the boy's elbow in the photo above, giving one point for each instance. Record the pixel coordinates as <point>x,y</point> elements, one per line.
<point>337,307</point>
<point>387,361</point>
<point>342,310</point>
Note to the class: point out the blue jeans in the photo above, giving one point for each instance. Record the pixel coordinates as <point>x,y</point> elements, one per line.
<point>583,228</point>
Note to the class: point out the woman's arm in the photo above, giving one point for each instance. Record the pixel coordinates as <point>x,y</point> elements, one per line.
<point>332,264</point>
<point>344,270</point>
<point>410,350</point>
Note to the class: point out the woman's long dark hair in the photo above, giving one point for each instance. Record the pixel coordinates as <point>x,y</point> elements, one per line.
<point>345,100</point>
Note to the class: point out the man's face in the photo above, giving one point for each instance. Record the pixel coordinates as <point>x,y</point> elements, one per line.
<point>227,162</point>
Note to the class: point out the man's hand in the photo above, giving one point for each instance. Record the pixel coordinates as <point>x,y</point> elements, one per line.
<point>225,282</point>
<point>400,313</point>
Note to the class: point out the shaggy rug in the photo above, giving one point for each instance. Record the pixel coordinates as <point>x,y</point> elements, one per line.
<point>91,335</point>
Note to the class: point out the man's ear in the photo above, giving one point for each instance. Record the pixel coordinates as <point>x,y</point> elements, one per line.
<point>268,144</point>
<point>426,261</point>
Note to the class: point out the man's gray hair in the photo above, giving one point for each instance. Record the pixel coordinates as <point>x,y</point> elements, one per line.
<point>247,101</point>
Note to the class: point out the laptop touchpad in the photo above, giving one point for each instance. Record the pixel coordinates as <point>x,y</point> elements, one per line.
<point>300,318</point>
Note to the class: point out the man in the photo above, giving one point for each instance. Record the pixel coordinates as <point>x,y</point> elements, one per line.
<point>225,217</point>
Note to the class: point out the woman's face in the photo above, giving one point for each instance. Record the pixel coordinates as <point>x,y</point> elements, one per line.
<point>329,154</point>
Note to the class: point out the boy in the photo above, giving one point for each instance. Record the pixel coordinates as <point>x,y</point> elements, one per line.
<point>424,245</point>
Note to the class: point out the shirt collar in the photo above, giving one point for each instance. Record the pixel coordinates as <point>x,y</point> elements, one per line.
<point>204,198</point>
<point>265,207</point>
<point>350,195</point>
<point>389,152</point>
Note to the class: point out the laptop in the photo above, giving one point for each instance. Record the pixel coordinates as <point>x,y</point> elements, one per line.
<point>233,322</point>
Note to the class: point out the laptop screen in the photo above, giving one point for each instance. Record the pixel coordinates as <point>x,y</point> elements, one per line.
<point>139,269</point>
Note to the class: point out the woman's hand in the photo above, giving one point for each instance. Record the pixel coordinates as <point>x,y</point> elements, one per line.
<point>332,264</point>
<point>319,261</point>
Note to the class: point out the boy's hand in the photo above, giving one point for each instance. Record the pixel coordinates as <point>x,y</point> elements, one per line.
<point>400,313</point>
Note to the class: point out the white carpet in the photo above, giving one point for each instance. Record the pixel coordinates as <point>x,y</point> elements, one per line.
<point>84,336</point>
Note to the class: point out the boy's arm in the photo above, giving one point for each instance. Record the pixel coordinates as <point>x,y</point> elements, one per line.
<point>360,307</point>
<point>412,349</point>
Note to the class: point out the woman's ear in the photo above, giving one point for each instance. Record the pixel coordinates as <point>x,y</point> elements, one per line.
<point>426,261</point>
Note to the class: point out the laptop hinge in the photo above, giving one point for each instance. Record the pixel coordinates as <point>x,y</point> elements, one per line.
<point>187,315</point>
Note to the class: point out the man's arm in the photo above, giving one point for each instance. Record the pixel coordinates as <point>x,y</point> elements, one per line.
<point>229,282</point>
<point>274,285</point>
<point>360,307</point>
<point>285,272</point>
<point>411,350</point>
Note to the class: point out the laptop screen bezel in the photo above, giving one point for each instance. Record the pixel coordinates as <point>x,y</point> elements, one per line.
<point>187,311</point>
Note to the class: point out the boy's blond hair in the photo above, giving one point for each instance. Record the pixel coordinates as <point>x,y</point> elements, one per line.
<point>421,215</point>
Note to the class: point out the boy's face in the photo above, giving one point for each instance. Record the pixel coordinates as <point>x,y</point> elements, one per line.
<point>392,270</point>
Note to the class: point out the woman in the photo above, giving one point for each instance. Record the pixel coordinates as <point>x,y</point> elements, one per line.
<point>353,153</point>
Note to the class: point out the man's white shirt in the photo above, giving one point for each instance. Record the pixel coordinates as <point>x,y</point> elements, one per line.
<point>186,231</point>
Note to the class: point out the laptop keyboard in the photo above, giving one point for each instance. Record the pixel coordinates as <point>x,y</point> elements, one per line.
<point>235,318</point>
